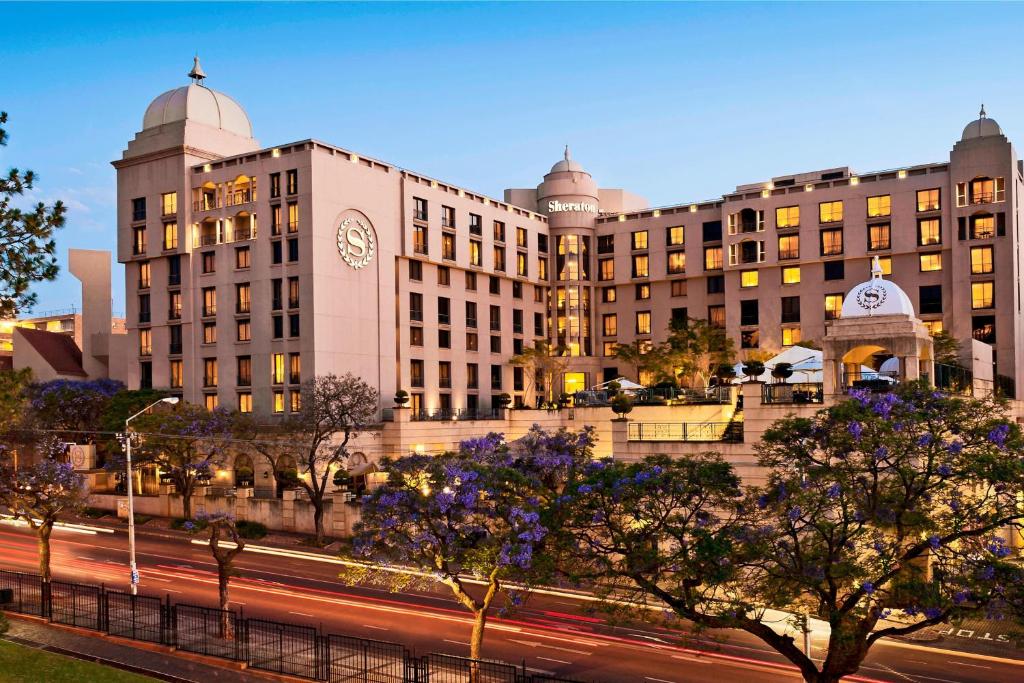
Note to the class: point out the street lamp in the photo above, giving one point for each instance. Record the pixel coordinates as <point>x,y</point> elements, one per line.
<point>131,501</point>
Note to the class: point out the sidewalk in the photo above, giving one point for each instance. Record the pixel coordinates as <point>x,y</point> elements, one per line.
<point>148,660</point>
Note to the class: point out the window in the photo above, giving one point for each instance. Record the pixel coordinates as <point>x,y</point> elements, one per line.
<point>470,314</point>
<point>789,247</point>
<point>472,342</point>
<point>174,332</point>
<point>275,185</point>
<point>139,209</point>
<point>747,220</point>
<point>791,275</point>
<point>245,402</point>
<point>470,282</point>
<point>292,179</point>
<point>833,306</point>
<point>475,259</point>
<point>211,401</point>
<point>146,342</point>
<point>787,217</point>
<point>145,313</point>
<point>276,295</point>
<point>243,258</point>
<point>678,287</point>
<point>748,312</point>
<point>643,291</point>
<point>791,336</point>
<point>209,301</point>
<point>676,262</point>
<point>278,401</point>
<point>982,294</point>
<point>538,324</point>
<point>499,258</point>
<point>499,231</point>
<point>983,227</point>
<point>641,265</point>
<point>885,263</point>
<point>606,244</point>
<point>293,250</point>
<point>930,299</point>
<point>928,200</point>
<point>476,224</point>
<point>444,374</point>
<point>173,270</point>
<point>981,260</point>
<point>542,268</point>
<point>675,236</point>
<point>444,306</point>
<point>448,246</point>
<point>542,243</point>
<point>835,270</point>
<point>984,191</point>
<point>928,232</point>
<point>643,322</point>
<point>494,285</point>
<point>293,217</point>
<point>496,377</point>
<point>145,275</point>
<point>790,309</point>
<point>472,376</point>
<point>747,251</point>
<point>447,217</point>
<point>748,278</point>
<point>177,374</point>
<point>495,318</point>
<point>174,306</point>
<point>750,339</point>
<point>606,269</point>
<point>170,236</point>
<point>243,298</point>
<point>294,368</point>
<point>830,212</point>
<point>712,258</point>
<point>244,330</point>
<point>832,242</point>
<point>244,364</point>
<point>293,292</point>
<point>138,241</point>
<point>608,295</point>
<point>444,276</point>
<point>419,239</point>
<point>277,368</point>
<point>209,372</point>
<point>278,326</point>
<point>209,262</point>
<point>275,220</point>
<point>416,336</point>
<point>983,328</point>
<point>716,316</point>
<point>517,321</point>
<point>209,333</point>
<point>640,239</point>
<point>879,206</point>
<point>716,284</point>
<point>146,375</point>
<point>931,262</point>
<point>608,348</point>
<point>415,306</point>
<point>169,204</point>
<point>879,237</point>
<point>712,231</point>
<point>415,271</point>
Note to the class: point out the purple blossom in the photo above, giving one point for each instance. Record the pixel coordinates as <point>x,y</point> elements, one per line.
<point>868,587</point>
<point>932,612</point>
<point>960,597</point>
<point>955,447</point>
<point>998,547</point>
<point>794,513</point>
<point>999,434</point>
<point>944,470</point>
<point>881,453</point>
<point>834,491</point>
<point>935,542</point>
<point>856,430</point>
<point>924,440</point>
<point>987,573</point>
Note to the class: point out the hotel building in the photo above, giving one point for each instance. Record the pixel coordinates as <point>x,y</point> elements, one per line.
<point>250,269</point>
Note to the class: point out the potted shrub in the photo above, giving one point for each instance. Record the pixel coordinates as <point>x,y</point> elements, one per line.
<point>753,369</point>
<point>564,400</point>
<point>504,400</point>
<point>725,372</point>
<point>613,388</point>
<point>621,405</point>
<point>782,371</point>
<point>401,398</point>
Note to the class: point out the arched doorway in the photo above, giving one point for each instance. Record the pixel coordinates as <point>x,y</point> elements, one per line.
<point>244,474</point>
<point>286,474</point>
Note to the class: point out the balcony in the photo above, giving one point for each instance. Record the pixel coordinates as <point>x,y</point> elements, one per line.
<point>790,394</point>
<point>693,432</point>
<point>237,197</point>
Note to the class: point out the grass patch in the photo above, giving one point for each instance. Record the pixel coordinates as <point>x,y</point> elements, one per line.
<point>21,664</point>
<point>251,530</point>
<point>94,513</point>
<point>197,525</point>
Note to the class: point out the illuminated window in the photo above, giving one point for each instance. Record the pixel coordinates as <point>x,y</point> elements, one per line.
<point>243,258</point>
<point>610,323</point>
<point>169,203</point>
<point>245,402</point>
<point>789,247</point>
<point>295,396</point>
<point>791,275</point>
<point>748,278</point>
<point>879,206</point>
<point>643,291</point>
<point>831,242</point>
<point>419,239</point>
<point>278,401</point>
<point>606,269</point>
<point>177,374</point>
<point>293,217</point>
<point>474,253</point>
<point>145,342</point>
<point>981,260</point>
<point>209,301</point>
<point>138,241</point>
<point>499,258</point>
<point>609,348</point>
<point>678,287</point>
<point>145,275</point>
<point>791,336</point>
<point>982,294</point>
<point>448,246</point>
<point>244,330</point>
<point>830,212</point>
<point>674,236</point>
<point>211,401</point>
<point>209,372</point>
<point>676,262</point>
<point>209,333</point>
<point>170,236</point>
<point>243,298</point>
<point>521,267</point>
<point>931,262</point>
<point>833,306</point>
<point>277,368</point>
<point>928,200</point>
<point>716,316</point>
<point>750,339</point>
<point>712,258</point>
<point>983,227</point>
<point>934,326</point>
<point>641,265</point>
<point>929,232</point>
<point>643,322</point>
<point>885,263</point>
<point>787,217</point>
<point>640,239</point>
<point>499,231</point>
<point>521,239</point>
<point>879,237</point>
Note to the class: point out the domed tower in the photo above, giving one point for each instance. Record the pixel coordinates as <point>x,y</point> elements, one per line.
<point>569,197</point>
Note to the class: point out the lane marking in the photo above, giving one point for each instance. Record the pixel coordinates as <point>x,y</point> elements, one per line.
<point>455,642</point>
<point>552,659</point>
<point>379,628</point>
<point>657,680</point>
<point>976,666</point>
<point>302,614</point>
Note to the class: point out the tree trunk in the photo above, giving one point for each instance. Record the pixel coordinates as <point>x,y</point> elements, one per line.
<point>186,505</point>
<point>43,535</point>
<point>476,640</point>
<point>223,576</point>
<point>318,520</point>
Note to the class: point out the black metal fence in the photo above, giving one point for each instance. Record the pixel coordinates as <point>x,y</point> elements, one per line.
<point>293,649</point>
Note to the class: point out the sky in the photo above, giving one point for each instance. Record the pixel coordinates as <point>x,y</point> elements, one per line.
<point>676,102</point>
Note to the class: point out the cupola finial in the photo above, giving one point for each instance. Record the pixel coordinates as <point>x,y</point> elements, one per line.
<point>982,114</point>
<point>196,74</point>
<point>876,269</point>
<point>567,156</point>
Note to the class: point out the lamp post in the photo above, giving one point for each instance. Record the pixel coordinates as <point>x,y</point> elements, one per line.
<point>131,501</point>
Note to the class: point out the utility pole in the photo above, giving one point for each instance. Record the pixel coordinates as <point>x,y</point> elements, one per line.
<point>807,636</point>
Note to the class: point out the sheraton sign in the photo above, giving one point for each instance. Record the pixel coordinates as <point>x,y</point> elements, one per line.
<point>555,206</point>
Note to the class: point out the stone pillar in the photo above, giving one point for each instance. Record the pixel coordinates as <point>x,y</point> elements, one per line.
<point>751,393</point>
<point>620,431</point>
<point>288,497</point>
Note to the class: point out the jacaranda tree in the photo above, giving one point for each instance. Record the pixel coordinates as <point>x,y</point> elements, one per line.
<point>72,406</point>
<point>474,515</point>
<point>883,515</point>
<point>222,529</point>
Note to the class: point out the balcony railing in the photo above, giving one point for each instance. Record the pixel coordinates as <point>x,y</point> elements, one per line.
<point>174,314</point>
<point>871,380</point>
<point>797,393</point>
<point>237,197</point>
<point>698,432</point>
<point>456,415</point>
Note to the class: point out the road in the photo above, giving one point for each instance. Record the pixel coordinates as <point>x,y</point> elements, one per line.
<point>551,633</point>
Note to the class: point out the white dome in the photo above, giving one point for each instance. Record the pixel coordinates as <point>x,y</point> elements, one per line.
<point>567,164</point>
<point>982,127</point>
<point>198,104</point>
<point>877,297</point>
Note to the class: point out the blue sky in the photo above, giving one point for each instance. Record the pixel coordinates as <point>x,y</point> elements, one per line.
<point>676,102</point>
